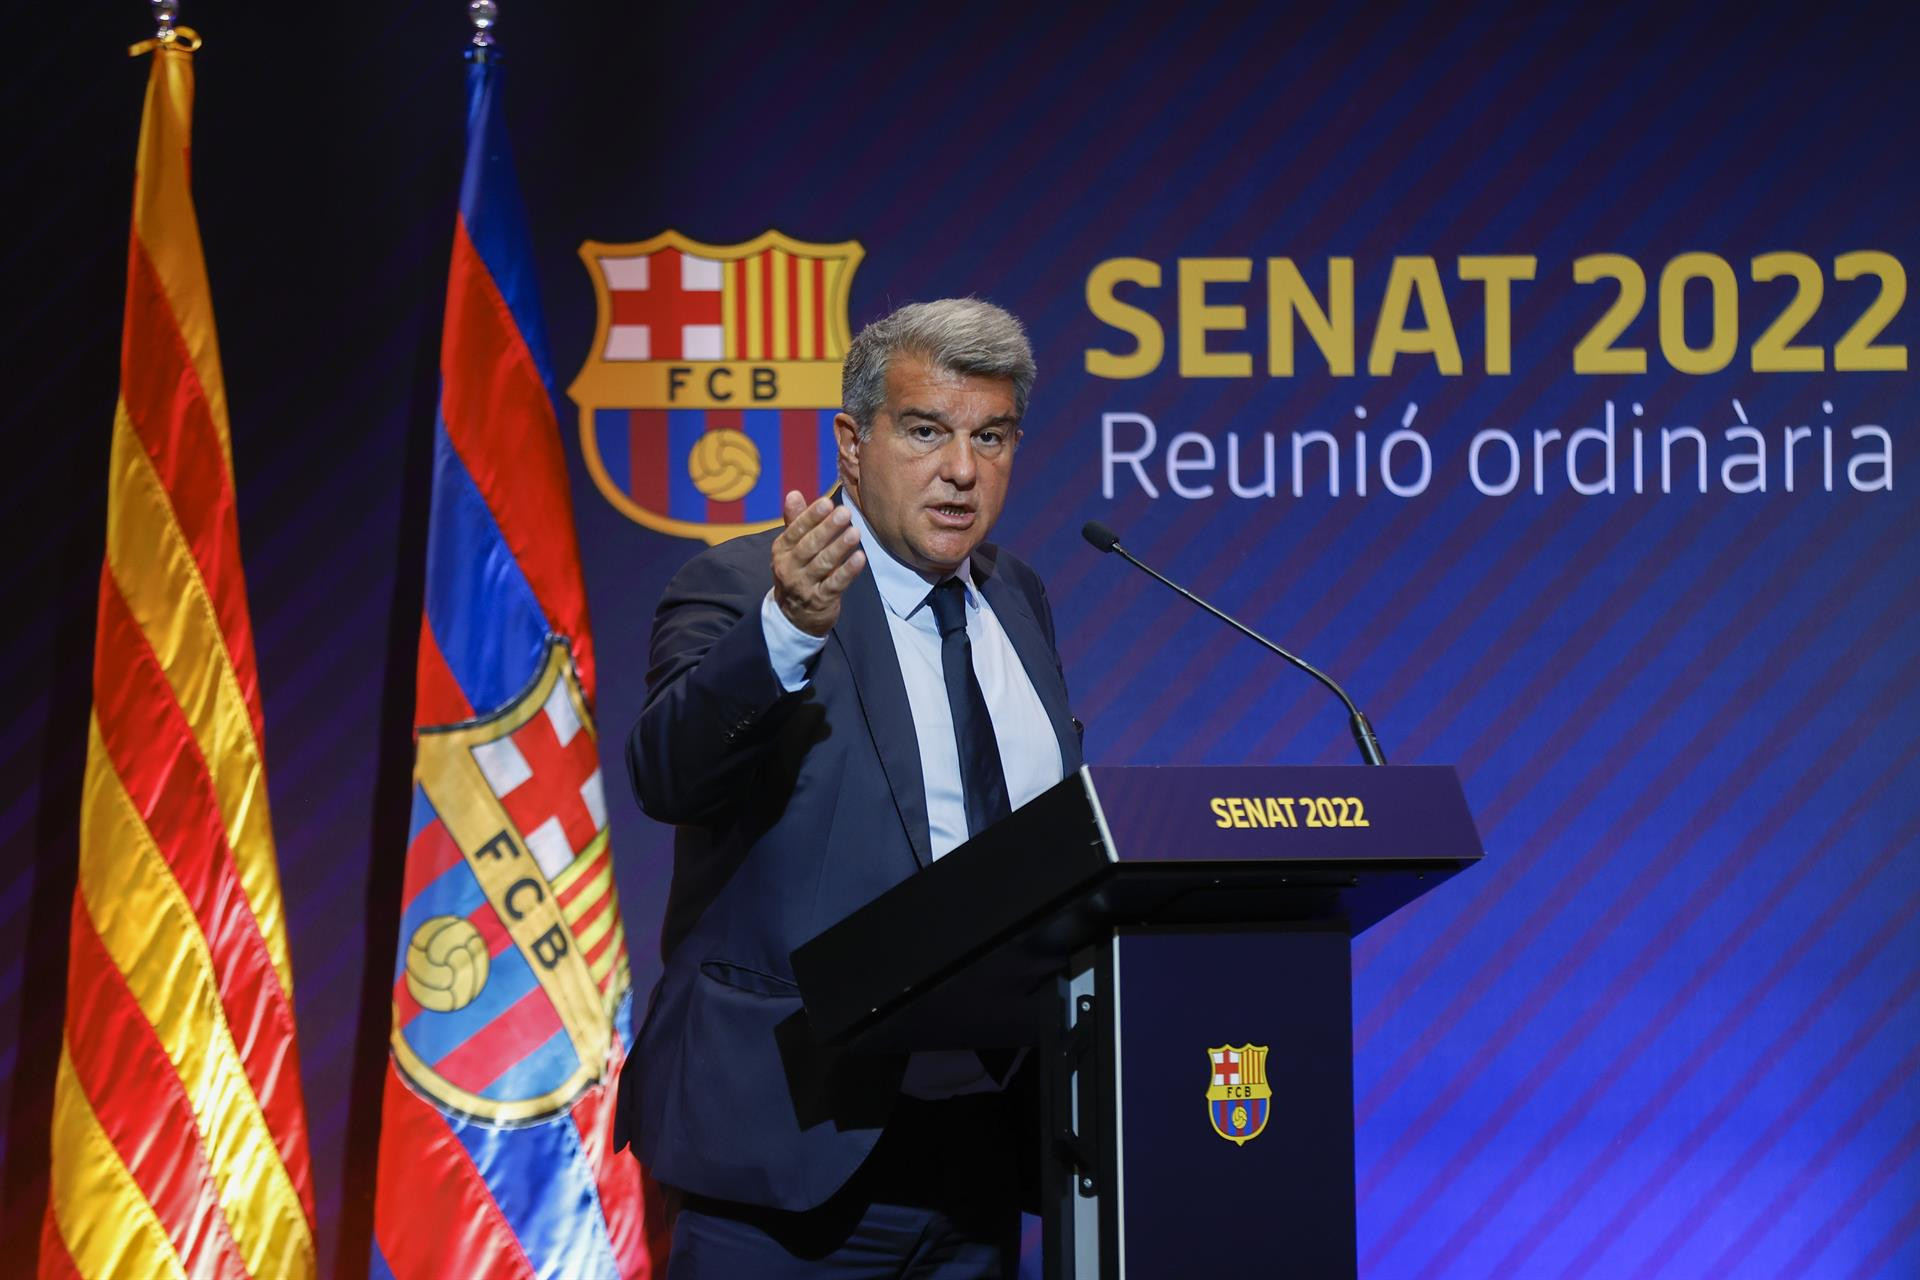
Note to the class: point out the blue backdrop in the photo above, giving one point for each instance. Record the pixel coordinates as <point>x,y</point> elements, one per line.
<point>1671,1026</point>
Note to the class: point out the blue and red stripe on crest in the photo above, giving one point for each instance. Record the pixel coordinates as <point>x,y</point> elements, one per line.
<point>506,1037</point>
<point>644,452</point>
<point>1223,1115</point>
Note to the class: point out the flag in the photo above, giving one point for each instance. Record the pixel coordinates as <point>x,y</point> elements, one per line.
<point>179,1132</point>
<point>512,998</point>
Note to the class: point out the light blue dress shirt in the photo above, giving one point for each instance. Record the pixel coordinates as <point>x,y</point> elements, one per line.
<point>1029,752</point>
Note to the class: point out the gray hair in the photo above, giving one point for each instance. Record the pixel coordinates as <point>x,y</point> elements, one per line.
<point>961,335</point>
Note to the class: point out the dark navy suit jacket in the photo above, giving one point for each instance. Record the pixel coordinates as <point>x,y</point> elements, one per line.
<point>793,810</point>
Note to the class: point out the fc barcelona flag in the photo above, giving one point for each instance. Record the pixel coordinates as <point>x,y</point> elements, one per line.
<point>179,1133</point>
<point>512,1000</point>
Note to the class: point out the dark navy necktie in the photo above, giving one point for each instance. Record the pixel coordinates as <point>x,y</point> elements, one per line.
<point>983,783</point>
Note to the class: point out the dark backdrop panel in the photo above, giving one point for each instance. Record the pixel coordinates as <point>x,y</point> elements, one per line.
<point>1668,1028</point>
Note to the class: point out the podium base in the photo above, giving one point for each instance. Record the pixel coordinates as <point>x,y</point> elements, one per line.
<point>1201,1106</point>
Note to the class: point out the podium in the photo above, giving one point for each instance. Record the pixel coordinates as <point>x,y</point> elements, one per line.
<point>1172,947</point>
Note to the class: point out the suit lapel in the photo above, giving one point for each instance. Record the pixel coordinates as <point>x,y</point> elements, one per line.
<point>864,636</point>
<point>1030,642</point>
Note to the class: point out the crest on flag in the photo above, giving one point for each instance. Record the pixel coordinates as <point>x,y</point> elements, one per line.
<point>509,979</point>
<point>1238,1097</point>
<point>714,376</point>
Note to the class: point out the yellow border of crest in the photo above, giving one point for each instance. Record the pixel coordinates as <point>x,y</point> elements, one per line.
<point>852,251</point>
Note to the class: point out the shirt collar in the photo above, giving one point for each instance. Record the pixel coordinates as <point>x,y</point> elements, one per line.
<point>901,587</point>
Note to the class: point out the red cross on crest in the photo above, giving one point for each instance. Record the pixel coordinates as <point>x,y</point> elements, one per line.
<point>1226,1067</point>
<point>553,791</point>
<point>659,298</point>
<point>546,775</point>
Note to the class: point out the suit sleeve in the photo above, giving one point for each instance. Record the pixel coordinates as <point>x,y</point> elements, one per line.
<point>709,691</point>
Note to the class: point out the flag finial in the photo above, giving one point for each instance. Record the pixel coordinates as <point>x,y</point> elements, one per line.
<point>481,13</point>
<point>167,34</point>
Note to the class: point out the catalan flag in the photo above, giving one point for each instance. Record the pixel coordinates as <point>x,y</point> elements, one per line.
<point>512,998</point>
<point>179,1133</point>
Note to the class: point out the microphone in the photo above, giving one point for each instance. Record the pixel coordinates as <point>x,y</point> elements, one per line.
<point>1105,539</point>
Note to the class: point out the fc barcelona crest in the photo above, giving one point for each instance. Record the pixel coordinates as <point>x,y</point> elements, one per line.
<point>513,953</point>
<point>714,377</point>
<point>1238,1098</point>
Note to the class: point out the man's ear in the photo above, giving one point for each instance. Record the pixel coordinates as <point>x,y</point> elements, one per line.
<point>846,438</point>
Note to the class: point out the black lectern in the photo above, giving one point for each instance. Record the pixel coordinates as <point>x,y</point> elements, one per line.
<point>1173,944</point>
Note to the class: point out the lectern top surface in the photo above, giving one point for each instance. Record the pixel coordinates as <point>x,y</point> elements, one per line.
<point>969,941</point>
<point>1237,813</point>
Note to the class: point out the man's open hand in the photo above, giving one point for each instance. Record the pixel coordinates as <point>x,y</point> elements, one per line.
<point>814,561</point>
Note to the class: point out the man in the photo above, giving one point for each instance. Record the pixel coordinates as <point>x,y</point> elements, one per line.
<point>831,707</point>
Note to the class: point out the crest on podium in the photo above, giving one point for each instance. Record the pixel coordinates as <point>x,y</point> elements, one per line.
<point>1238,1098</point>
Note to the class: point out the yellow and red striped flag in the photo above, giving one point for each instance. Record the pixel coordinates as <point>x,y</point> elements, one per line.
<point>179,1132</point>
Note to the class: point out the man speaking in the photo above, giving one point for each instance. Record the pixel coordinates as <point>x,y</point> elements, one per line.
<point>830,708</point>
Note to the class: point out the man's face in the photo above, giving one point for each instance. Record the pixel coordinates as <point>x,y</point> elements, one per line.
<point>931,478</point>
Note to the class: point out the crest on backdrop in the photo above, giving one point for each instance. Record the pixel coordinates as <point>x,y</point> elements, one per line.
<point>714,377</point>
